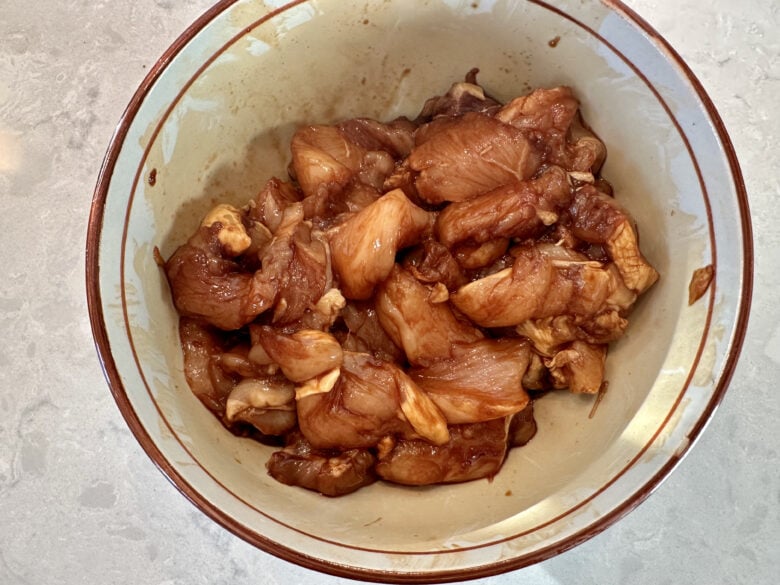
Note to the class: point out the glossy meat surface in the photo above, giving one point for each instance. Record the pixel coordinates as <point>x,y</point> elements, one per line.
<point>424,329</point>
<point>458,158</point>
<point>545,280</point>
<point>208,285</point>
<point>201,350</point>
<point>475,451</point>
<point>515,210</point>
<point>370,398</point>
<point>599,219</point>
<point>364,247</point>
<point>329,473</point>
<point>393,307</point>
<point>480,381</point>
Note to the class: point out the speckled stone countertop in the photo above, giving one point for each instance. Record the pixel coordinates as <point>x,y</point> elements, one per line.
<point>80,502</point>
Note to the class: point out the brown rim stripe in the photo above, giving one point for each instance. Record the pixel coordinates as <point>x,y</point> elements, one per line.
<point>252,536</point>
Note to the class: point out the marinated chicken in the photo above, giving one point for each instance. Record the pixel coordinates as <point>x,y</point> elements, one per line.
<point>392,309</point>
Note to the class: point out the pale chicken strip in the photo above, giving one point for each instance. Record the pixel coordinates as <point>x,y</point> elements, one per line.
<point>296,264</point>
<point>515,210</point>
<point>302,354</point>
<point>545,280</point>
<point>480,381</point>
<point>475,451</point>
<point>477,256</point>
<point>323,160</point>
<point>267,403</point>
<point>206,283</point>
<point>458,158</point>
<point>599,219</point>
<point>370,399</point>
<point>331,474</point>
<point>424,329</point>
<point>363,248</point>
<point>579,367</point>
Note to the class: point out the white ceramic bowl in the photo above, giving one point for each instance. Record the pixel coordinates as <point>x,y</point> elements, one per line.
<point>212,121</point>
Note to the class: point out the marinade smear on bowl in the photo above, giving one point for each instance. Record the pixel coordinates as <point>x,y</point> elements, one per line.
<point>390,310</point>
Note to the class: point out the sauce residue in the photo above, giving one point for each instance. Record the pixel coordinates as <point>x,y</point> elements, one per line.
<point>554,41</point>
<point>700,282</point>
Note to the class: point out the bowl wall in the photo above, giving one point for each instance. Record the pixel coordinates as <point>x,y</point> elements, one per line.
<point>213,123</point>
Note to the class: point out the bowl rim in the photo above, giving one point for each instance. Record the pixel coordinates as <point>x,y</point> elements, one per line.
<point>113,378</point>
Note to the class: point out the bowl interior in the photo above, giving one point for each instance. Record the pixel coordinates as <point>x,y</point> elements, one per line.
<point>214,125</point>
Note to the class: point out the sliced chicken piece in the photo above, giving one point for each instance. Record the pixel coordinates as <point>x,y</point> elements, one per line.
<point>545,280</point>
<point>523,426</point>
<point>552,121</point>
<point>579,367</point>
<point>269,204</point>
<point>395,138</point>
<point>236,362</point>
<point>599,219</point>
<point>585,151</point>
<point>296,263</point>
<point>481,256</point>
<point>517,210</point>
<point>365,333</point>
<point>462,97</point>
<point>458,158</point>
<point>426,330</point>
<point>364,247</point>
<point>343,168</point>
<point>375,168</point>
<point>330,474</point>
<point>544,116</point>
<point>323,160</point>
<point>479,382</point>
<point>267,403</point>
<point>432,262</point>
<point>201,348</point>
<point>207,284</point>
<point>550,333</point>
<point>301,355</point>
<point>369,399</point>
<point>542,111</point>
<point>474,451</point>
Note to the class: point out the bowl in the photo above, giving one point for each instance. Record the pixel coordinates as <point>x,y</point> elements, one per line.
<point>212,121</point>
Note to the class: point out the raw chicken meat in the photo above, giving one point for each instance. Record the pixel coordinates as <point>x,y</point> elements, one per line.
<point>456,158</point>
<point>393,309</point>
<point>474,451</point>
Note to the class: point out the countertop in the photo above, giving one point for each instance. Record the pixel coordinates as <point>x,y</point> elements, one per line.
<point>80,502</point>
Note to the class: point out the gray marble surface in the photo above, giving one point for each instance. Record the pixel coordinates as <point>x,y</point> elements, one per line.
<point>80,502</point>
